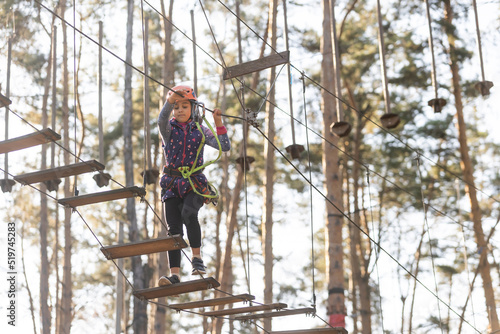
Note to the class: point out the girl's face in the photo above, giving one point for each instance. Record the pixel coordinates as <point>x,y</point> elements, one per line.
<point>182,111</point>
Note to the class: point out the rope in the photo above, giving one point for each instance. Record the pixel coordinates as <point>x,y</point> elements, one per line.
<point>430,241</point>
<point>75,83</point>
<point>145,105</point>
<point>310,194</point>
<point>377,254</point>
<point>466,258</point>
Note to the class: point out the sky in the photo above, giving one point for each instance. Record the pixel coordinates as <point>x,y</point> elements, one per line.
<point>285,271</point>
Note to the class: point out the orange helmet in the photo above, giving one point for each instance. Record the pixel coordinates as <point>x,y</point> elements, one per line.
<point>190,95</point>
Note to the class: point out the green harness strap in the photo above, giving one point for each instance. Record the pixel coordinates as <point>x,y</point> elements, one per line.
<point>187,171</point>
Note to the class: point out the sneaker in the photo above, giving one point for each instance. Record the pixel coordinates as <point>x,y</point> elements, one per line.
<point>198,267</point>
<point>164,280</point>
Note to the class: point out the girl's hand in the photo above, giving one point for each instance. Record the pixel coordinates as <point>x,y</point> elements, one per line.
<point>177,95</point>
<point>217,114</point>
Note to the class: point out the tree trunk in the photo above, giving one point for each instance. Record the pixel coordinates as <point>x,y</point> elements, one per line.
<point>333,183</point>
<point>267,212</point>
<point>140,316</point>
<point>67,284</point>
<point>467,170</point>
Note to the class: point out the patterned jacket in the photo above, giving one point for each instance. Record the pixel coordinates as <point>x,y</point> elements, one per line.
<point>180,144</point>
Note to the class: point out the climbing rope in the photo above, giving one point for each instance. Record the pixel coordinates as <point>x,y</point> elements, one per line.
<point>313,256</point>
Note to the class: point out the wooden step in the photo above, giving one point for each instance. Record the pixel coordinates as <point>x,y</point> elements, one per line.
<point>59,172</point>
<point>177,289</point>
<point>104,196</point>
<point>332,330</point>
<point>37,138</point>
<point>213,302</point>
<point>306,310</point>
<point>256,65</point>
<point>143,247</point>
<point>249,309</point>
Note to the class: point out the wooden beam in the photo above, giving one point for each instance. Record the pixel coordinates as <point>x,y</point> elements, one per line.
<point>248,309</point>
<point>143,247</point>
<point>59,172</point>
<point>257,65</point>
<point>102,196</point>
<point>33,139</point>
<point>332,330</point>
<point>213,302</point>
<point>177,289</point>
<point>306,310</point>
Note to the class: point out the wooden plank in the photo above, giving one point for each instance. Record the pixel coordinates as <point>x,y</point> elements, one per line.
<point>177,289</point>
<point>334,330</point>
<point>248,309</point>
<point>143,247</point>
<point>102,196</point>
<point>306,310</point>
<point>32,139</point>
<point>213,302</point>
<point>257,65</point>
<point>59,172</point>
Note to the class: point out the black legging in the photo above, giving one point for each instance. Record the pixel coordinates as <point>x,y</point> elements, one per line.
<point>180,211</point>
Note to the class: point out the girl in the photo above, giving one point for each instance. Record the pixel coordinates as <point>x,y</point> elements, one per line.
<point>181,141</point>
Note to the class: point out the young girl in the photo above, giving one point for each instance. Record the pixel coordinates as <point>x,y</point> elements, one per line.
<point>181,141</point>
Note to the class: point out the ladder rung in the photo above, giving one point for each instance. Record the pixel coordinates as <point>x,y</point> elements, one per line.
<point>257,65</point>
<point>306,310</point>
<point>213,302</point>
<point>102,196</point>
<point>33,139</point>
<point>144,247</point>
<point>248,309</point>
<point>177,289</point>
<point>59,172</point>
<point>333,330</point>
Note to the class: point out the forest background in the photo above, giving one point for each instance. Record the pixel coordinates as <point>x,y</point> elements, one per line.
<point>401,169</point>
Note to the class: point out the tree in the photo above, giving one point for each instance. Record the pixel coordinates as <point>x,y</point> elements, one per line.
<point>468,171</point>
<point>140,320</point>
<point>333,181</point>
